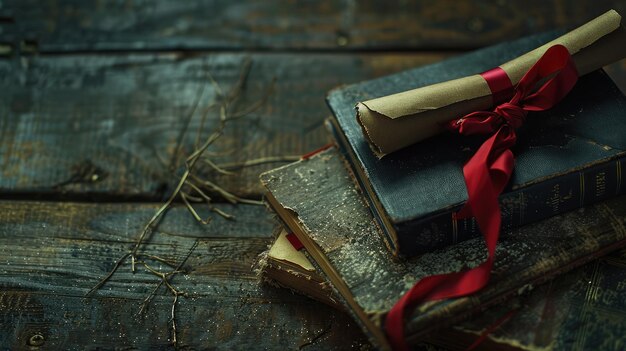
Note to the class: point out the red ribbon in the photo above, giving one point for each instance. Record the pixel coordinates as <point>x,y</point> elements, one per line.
<point>294,241</point>
<point>487,173</point>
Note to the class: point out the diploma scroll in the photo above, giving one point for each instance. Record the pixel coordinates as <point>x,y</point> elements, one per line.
<point>399,120</point>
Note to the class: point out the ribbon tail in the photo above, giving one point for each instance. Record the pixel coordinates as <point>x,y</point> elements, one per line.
<point>433,287</point>
<point>486,174</point>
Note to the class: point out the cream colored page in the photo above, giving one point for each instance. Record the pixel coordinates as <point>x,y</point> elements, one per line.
<point>284,251</point>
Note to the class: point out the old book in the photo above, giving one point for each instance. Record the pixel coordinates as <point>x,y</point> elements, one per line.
<point>318,202</point>
<point>582,309</point>
<point>566,157</point>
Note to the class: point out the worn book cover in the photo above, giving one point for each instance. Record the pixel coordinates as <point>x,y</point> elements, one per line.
<point>579,310</point>
<point>566,157</point>
<point>319,203</point>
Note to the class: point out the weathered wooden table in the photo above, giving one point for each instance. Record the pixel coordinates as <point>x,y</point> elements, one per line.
<point>95,97</point>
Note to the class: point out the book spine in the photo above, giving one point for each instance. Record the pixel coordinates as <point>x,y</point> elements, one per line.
<point>520,206</point>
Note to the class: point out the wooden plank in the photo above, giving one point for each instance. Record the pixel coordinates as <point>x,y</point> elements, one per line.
<point>77,25</point>
<point>108,126</point>
<point>284,321</point>
<point>51,254</point>
<point>89,126</point>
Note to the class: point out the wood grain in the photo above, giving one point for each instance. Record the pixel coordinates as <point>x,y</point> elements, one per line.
<point>64,249</point>
<point>107,126</point>
<point>76,25</point>
<point>94,96</point>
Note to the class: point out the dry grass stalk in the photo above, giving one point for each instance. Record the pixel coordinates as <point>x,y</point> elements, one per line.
<point>191,189</point>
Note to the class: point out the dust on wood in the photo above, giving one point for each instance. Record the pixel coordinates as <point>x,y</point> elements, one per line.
<point>65,248</point>
<point>191,186</point>
<point>125,115</point>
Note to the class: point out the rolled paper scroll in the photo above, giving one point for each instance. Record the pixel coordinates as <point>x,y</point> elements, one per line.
<point>395,121</point>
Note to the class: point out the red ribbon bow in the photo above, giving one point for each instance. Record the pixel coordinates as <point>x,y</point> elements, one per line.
<point>487,173</point>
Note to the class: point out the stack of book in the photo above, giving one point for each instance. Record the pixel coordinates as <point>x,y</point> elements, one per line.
<point>360,231</point>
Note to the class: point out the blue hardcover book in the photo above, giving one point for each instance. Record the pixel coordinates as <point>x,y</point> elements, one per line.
<point>566,157</point>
